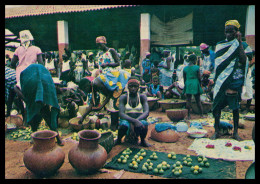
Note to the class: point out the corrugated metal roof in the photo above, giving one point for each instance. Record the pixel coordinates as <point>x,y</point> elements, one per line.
<point>32,10</point>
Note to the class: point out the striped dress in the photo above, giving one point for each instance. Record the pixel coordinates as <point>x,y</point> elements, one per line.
<point>227,68</point>
<point>10,81</point>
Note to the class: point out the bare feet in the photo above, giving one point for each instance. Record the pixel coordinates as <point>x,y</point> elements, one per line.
<point>215,136</point>
<point>145,144</point>
<point>236,136</point>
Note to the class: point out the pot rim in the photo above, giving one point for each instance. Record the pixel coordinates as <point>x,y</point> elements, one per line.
<point>44,138</point>
<point>91,139</point>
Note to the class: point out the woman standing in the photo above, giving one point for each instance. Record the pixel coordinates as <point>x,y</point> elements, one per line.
<point>192,84</point>
<point>26,54</point>
<point>166,68</point>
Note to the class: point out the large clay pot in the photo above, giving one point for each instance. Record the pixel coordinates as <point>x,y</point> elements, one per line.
<point>165,136</point>
<point>88,156</point>
<point>44,158</point>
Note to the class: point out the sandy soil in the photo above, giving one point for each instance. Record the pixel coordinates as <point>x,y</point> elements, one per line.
<point>15,169</point>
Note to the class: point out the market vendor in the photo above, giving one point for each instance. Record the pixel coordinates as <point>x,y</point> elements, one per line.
<point>10,94</point>
<point>51,64</point>
<point>230,67</point>
<point>66,69</point>
<point>39,94</point>
<point>175,90</point>
<point>155,89</point>
<point>25,54</point>
<point>133,111</point>
<point>207,84</point>
<point>70,99</point>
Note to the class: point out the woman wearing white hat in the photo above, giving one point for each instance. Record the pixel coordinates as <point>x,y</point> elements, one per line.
<point>26,54</point>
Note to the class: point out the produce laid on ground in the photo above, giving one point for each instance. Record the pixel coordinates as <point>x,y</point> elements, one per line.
<point>169,165</point>
<point>75,136</point>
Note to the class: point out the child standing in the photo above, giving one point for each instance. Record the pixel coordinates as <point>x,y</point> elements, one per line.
<point>192,83</point>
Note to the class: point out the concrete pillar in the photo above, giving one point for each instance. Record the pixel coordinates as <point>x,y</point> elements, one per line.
<point>63,37</point>
<point>250,26</point>
<point>144,37</point>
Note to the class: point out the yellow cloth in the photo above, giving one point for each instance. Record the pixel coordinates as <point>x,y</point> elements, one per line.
<point>232,23</point>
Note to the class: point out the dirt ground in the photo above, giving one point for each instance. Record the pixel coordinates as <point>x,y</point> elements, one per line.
<point>15,169</point>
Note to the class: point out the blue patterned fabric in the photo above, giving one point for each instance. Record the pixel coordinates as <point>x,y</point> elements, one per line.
<point>10,81</point>
<point>164,126</point>
<point>147,65</point>
<point>126,123</point>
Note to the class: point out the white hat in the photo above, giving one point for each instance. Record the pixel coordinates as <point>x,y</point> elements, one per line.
<point>56,80</point>
<point>25,35</point>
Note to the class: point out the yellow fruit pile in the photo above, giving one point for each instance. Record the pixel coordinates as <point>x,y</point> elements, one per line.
<point>203,161</point>
<point>125,155</point>
<point>172,155</point>
<point>177,168</point>
<point>160,168</point>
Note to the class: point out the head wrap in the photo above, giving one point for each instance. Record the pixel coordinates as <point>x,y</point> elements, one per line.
<point>203,46</point>
<point>232,23</point>
<point>133,81</point>
<point>25,36</point>
<point>101,39</point>
<point>147,53</point>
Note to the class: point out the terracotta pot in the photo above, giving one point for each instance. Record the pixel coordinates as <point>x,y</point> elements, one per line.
<point>165,136</point>
<point>15,119</point>
<point>44,158</point>
<point>176,114</point>
<point>88,156</point>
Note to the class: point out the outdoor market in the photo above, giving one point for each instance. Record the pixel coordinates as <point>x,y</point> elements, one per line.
<point>129,92</point>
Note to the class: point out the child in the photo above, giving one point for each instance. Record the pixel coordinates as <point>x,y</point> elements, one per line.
<point>155,89</point>
<point>192,83</point>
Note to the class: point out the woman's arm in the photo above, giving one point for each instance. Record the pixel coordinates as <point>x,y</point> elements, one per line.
<point>39,59</point>
<point>14,61</point>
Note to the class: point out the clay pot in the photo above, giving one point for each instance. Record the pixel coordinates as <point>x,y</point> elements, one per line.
<point>15,119</point>
<point>176,114</point>
<point>88,156</point>
<point>165,136</point>
<point>44,158</point>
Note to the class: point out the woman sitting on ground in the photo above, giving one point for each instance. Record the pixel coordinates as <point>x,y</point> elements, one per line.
<point>133,111</point>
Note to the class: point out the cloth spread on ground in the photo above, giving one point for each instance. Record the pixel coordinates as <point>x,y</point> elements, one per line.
<point>164,126</point>
<point>221,151</point>
<point>37,86</point>
<point>219,169</point>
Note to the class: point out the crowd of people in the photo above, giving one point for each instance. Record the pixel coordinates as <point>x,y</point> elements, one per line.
<point>109,81</point>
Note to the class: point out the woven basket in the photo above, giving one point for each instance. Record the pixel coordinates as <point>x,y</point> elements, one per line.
<point>165,136</point>
<point>107,141</point>
<point>176,114</point>
<point>206,106</point>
